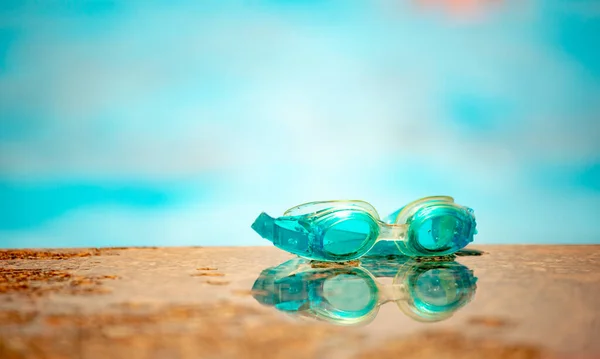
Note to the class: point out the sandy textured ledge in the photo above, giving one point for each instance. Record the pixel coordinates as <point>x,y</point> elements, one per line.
<point>530,302</point>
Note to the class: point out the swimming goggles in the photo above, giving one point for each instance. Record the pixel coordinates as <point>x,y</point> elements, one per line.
<point>425,291</point>
<point>347,230</point>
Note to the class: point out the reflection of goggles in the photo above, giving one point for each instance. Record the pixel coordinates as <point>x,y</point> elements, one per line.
<point>425,291</point>
<point>346,230</point>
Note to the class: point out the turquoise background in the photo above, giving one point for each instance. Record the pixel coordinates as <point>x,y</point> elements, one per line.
<point>178,122</point>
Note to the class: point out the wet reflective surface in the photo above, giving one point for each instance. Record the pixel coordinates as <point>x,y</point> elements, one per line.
<point>342,294</point>
<point>255,302</point>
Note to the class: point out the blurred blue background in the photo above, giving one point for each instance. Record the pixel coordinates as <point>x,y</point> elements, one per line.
<point>178,122</point>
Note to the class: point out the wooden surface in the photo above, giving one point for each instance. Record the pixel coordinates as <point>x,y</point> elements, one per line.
<point>530,302</point>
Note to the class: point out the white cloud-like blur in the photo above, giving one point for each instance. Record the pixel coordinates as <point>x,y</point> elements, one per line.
<point>285,104</point>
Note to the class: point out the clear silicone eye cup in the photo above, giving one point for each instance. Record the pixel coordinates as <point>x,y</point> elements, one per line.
<point>347,230</point>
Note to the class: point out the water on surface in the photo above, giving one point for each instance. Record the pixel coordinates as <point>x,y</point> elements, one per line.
<point>430,291</point>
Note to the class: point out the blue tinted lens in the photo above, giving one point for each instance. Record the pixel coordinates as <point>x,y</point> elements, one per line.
<point>437,233</point>
<point>346,237</point>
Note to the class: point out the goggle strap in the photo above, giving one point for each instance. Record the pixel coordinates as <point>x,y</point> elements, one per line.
<point>391,218</point>
<point>294,240</point>
<point>264,225</point>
